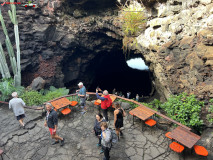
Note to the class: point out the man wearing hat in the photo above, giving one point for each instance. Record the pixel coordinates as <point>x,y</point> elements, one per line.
<point>82,95</point>
<point>17,104</point>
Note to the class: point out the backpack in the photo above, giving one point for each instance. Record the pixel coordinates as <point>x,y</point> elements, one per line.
<point>114,137</point>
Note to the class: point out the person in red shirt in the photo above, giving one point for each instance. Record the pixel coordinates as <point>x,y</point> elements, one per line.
<point>106,102</point>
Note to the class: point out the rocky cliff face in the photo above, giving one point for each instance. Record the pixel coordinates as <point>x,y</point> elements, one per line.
<point>178,45</point>
<point>60,38</point>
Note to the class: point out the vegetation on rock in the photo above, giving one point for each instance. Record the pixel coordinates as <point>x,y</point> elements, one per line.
<point>133,21</point>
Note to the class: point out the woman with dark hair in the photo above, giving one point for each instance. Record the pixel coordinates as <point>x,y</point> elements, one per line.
<point>97,127</point>
<point>119,113</point>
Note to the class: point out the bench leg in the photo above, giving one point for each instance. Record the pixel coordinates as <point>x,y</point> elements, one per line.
<point>142,125</point>
<point>133,119</point>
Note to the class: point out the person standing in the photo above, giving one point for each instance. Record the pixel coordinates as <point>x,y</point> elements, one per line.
<point>106,138</point>
<point>137,97</point>
<point>82,95</point>
<point>17,104</point>
<point>119,113</point>
<point>97,127</point>
<point>106,102</point>
<point>51,122</point>
<point>128,95</point>
<point>114,91</point>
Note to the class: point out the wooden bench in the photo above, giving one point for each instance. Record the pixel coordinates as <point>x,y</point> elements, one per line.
<point>142,113</point>
<point>184,136</point>
<point>61,103</point>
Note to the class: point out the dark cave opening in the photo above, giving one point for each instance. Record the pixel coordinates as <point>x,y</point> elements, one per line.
<point>109,71</point>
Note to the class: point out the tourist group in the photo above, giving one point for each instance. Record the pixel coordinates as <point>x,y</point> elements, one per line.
<point>101,129</point>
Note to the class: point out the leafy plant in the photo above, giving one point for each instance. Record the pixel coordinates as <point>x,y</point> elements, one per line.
<point>38,98</point>
<point>211,100</point>
<point>32,98</point>
<point>210,115</point>
<point>7,88</point>
<point>209,118</point>
<point>54,93</point>
<point>211,108</point>
<point>185,109</point>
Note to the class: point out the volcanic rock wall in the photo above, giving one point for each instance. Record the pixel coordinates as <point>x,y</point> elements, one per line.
<point>178,45</point>
<point>61,37</point>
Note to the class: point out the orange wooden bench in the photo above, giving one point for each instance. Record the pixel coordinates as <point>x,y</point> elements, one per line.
<point>61,103</point>
<point>66,111</point>
<point>168,135</point>
<point>184,136</point>
<point>143,114</point>
<point>176,147</point>
<point>200,150</point>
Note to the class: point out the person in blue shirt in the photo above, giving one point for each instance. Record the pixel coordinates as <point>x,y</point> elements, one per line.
<point>82,95</point>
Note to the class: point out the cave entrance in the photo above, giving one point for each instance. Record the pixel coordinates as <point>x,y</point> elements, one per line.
<point>111,70</point>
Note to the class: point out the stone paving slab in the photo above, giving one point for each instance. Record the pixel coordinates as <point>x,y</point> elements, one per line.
<point>34,142</point>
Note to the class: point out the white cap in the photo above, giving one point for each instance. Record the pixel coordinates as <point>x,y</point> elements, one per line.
<point>80,84</point>
<point>14,94</point>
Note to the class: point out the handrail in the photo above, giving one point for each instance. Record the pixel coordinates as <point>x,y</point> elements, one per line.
<point>39,108</point>
<point>130,100</point>
<point>165,117</point>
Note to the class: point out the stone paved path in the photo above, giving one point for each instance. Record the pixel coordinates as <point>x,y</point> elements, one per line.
<point>34,143</point>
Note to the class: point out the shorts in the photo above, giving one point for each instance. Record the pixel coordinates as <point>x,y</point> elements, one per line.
<point>82,101</point>
<point>51,131</point>
<point>20,117</point>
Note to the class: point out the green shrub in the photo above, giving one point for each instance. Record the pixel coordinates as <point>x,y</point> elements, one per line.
<point>185,109</point>
<point>211,108</point>
<point>210,115</point>
<point>32,98</point>
<point>53,93</point>
<point>7,88</point>
<point>211,100</point>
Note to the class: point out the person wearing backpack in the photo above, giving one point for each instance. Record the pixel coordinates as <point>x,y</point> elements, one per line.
<point>106,140</point>
<point>119,113</point>
<point>106,102</point>
<point>97,127</point>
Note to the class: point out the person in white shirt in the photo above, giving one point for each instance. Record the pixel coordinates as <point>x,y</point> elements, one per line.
<point>17,104</point>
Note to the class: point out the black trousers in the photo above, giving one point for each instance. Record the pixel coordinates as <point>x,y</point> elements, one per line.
<point>106,152</point>
<point>99,142</point>
<point>105,114</point>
